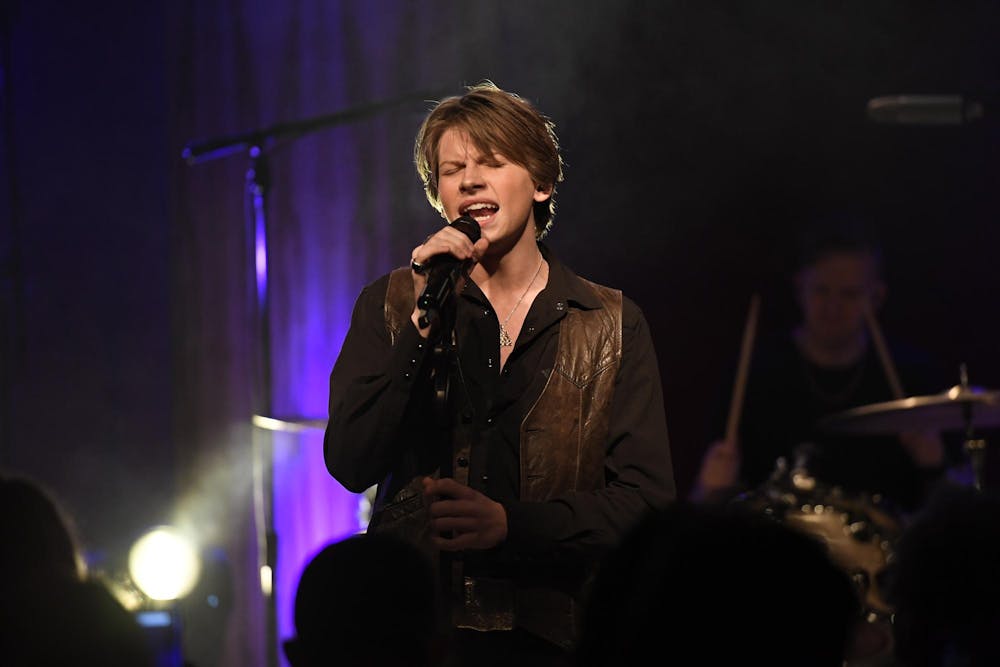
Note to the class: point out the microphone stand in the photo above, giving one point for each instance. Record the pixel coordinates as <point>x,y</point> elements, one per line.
<point>975,448</point>
<point>209,149</point>
<point>262,445</point>
<point>257,183</point>
<point>444,359</point>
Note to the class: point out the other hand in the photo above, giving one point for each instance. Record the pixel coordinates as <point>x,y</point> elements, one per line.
<point>720,469</point>
<point>463,518</point>
<point>925,448</point>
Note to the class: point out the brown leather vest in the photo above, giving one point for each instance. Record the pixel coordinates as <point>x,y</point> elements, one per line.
<point>563,440</point>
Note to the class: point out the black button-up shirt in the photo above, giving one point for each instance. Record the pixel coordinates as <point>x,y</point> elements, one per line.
<point>379,403</point>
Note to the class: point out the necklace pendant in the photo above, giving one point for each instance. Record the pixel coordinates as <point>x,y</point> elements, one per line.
<point>505,340</point>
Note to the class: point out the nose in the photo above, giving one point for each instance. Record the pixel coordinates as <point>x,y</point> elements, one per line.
<point>471,178</point>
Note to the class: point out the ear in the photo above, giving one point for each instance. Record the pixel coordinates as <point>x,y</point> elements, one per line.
<point>542,192</point>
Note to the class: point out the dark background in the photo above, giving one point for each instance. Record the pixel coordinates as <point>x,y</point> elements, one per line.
<point>698,137</point>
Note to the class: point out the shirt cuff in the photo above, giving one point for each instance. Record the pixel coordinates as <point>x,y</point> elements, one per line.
<point>409,355</point>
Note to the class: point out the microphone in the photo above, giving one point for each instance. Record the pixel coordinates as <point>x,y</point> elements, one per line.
<point>925,109</point>
<point>444,273</point>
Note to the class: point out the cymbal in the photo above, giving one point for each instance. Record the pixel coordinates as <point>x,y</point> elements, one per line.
<point>953,410</point>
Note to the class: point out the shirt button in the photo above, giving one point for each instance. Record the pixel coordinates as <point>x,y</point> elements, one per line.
<point>506,370</point>
<point>407,375</point>
<point>486,313</point>
<point>413,362</point>
<point>485,478</point>
<point>462,462</point>
<point>560,305</point>
<point>489,421</point>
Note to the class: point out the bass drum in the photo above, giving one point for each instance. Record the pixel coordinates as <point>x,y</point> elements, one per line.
<point>860,532</point>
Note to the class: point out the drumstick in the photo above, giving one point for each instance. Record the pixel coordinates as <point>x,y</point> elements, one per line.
<point>736,405</point>
<point>883,352</point>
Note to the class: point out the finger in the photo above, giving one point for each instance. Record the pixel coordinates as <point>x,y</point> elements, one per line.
<point>446,486</point>
<point>479,248</point>
<point>456,543</point>
<point>454,523</point>
<point>447,241</point>
<point>418,268</point>
<point>442,508</point>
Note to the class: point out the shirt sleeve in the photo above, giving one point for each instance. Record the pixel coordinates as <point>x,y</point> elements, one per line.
<point>638,469</point>
<point>372,411</point>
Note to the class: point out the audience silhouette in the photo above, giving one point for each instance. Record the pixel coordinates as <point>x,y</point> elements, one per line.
<point>51,612</point>
<point>723,585</point>
<point>372,600</point>
<point>944,583</point>
<point>39,535</point>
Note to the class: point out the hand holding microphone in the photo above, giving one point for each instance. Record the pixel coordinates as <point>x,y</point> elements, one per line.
<point>440,265</point>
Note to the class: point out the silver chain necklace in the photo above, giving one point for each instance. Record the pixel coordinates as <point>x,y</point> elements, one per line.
<point>505,339</point>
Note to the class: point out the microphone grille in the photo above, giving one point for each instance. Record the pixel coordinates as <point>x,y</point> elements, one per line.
<point>468,226</point>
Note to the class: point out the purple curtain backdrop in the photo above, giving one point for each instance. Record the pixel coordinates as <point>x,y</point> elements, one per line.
<point>241,68</point>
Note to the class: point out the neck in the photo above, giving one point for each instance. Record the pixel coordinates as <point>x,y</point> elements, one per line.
<point>825,353</point>
<point>509,271</point>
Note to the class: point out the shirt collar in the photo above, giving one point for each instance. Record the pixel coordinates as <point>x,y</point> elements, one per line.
<point>566,286</point>
<point>563,287</point>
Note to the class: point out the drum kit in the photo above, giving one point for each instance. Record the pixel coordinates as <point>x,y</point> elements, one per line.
<point>961,408</point>
<point>860,530</point>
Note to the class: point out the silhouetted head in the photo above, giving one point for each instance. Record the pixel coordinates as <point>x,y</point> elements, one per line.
<point>36,533</point>
<point>370,599</point>
<point>945,582</point>
<point>722,584</point>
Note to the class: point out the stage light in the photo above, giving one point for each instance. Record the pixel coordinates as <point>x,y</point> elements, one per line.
<point>266,580</point>
<point>164,564</point>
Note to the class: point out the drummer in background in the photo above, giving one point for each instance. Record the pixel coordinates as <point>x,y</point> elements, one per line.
<point>826,364</point>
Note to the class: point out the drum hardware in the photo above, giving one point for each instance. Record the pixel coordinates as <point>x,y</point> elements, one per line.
<point>857,530</point>
<point>961,408</point>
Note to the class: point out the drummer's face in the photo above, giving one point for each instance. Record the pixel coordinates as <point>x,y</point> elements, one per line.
<point>833,293</point>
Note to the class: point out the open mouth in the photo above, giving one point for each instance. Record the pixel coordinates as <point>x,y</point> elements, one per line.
<point>480,211</point>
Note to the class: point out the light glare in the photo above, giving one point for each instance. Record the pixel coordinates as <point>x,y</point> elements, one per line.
<point>164,564</point>
<point>266,580</point>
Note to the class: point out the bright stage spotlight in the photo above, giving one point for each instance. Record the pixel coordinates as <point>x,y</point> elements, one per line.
<point>164,564</point>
